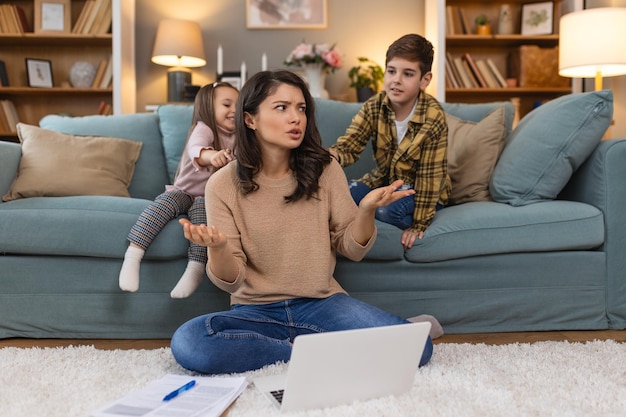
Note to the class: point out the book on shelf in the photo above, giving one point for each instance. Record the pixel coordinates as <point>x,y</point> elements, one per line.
<point>97,79</point>
<point>489,77</point>
<point>467,29</point>
<point>455,72</point>
<point>21,16</point>
<point>105,109</point>
<point>95,16</point>
<point>4,77</point>
<point>451,80</point>
<point>453,23</point>
<point>4,121</point>
<point>10,113</point>
<point>496,72</point>
<point>474,70</point>
<point>104,23</point>
<point>464,75</point>
<point>9,21</point>
<point>108,74</point>
<point>82,17</point>
<point>472,79</point>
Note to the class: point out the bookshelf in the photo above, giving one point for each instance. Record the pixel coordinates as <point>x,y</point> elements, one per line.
<point>499,48</point>
<point>63,49</point>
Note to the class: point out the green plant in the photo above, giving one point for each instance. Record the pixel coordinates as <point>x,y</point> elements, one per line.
<point>367,75</point>
<point>481,20</point>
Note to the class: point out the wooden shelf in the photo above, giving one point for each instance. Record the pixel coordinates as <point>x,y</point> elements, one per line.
<point>25,91</point>
<point>69,39</point>
<point>503,50</point>
<point>501,41</point>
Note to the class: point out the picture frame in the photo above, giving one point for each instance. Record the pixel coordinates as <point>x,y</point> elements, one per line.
<point>52,16</point>
<point>286,14</point>
<point>537,18</point>
<point>39,73</point>
<point>231,77</point>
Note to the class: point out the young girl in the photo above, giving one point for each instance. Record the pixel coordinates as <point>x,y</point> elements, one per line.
<point>277,216</point>
<point>209,147</point>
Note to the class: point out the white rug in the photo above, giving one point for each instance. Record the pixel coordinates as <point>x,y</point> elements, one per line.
<point>462,380</point>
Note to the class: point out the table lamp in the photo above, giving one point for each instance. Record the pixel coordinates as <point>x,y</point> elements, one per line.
<point>178,45</point>
<point>592,44</point>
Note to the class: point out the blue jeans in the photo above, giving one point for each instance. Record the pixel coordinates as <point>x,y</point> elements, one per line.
<point>250,337</point>
<point>399,214</point>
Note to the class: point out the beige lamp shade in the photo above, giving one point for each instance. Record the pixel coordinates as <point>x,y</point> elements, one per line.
<point>592,43</point>
<point>178,43</point>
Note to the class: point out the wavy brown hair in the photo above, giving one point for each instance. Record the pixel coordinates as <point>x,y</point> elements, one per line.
<point>307,161</point>
<point>204,109</point>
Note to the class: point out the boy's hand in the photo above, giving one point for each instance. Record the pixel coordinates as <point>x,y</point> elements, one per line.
<point>408,238</point>
<point>383,196</point>
<point>203,235</point>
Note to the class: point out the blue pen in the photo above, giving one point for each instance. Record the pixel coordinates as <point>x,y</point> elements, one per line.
<point>180,390</point>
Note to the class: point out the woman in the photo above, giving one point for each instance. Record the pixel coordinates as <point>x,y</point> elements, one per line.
<point>277,216</point>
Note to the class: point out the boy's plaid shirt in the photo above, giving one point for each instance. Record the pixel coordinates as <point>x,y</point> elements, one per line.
<point>421,159</point>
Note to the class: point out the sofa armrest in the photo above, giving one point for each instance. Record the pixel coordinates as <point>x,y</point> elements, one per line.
<point>600,182</point>
<point>10,154</point>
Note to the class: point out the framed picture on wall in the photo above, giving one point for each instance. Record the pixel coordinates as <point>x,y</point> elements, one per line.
<point>52,16</point>
<point>537,18</point>
<point>39,72</point>
<point>231,77</point>
<point>286,14</point>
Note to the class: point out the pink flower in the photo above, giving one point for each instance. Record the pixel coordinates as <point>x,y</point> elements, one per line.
<point>332,58</point>
<point>321,53</point>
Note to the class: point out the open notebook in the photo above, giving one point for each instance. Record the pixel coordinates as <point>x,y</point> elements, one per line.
<point>334,368</point>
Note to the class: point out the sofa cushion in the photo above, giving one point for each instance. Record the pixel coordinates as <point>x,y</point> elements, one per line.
<point>473,149</point>
<point>475,112</point>
<point>174,122</point>
<point>487,228</point>
<point>81,226</point>
<point>333,118</point>
<point>548,145</point>
<point>150,175</point>
<point>56,164</point>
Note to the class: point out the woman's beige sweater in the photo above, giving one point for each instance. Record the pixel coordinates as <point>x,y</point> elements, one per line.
<point>284,250</point>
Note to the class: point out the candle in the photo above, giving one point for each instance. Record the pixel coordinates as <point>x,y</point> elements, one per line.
<point>220,63</point>
<point>264,62</point>
<point>243,73</point>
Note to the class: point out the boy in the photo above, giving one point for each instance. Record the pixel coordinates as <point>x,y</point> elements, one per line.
<point>409,137</point>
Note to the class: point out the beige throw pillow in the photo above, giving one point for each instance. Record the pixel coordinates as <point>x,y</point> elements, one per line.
<point>56,164</point>
<point>473,150</point>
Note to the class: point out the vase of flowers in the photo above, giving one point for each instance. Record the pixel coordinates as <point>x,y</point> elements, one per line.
<point>316,60</point>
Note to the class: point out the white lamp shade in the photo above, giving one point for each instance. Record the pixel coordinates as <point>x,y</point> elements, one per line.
<point>178,43</point>
<point>593,42</point>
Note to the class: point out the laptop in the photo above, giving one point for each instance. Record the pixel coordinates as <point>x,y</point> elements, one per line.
<point>335,368</point>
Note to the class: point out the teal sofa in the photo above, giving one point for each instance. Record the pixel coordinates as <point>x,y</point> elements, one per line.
<point>551,263</point>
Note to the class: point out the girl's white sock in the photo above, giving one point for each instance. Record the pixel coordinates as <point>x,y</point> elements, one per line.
<point>190,281</point>
<point>129,275</point>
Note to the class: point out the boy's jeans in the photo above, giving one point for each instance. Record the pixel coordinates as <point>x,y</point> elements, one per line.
<point>249,337</point>
<point>399,214</point>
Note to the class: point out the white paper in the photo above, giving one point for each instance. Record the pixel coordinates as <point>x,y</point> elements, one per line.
<point>208,398</point>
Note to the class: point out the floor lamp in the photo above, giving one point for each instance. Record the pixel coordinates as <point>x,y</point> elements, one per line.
<point>178,44</point>
<point>592,44</point>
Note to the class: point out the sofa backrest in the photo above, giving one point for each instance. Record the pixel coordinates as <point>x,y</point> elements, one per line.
<point>150,176</point>
<point>334,117</point>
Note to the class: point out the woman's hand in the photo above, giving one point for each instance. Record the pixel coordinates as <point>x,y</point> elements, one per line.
<point>203,235</point>
<point>383,196</point>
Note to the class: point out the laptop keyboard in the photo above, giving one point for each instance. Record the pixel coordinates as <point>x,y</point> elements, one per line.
<point>278,394</point>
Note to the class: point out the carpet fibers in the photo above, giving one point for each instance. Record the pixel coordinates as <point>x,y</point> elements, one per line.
<point>541,379</point>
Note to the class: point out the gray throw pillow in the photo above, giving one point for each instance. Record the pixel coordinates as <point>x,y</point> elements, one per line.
<point>548,145</point>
